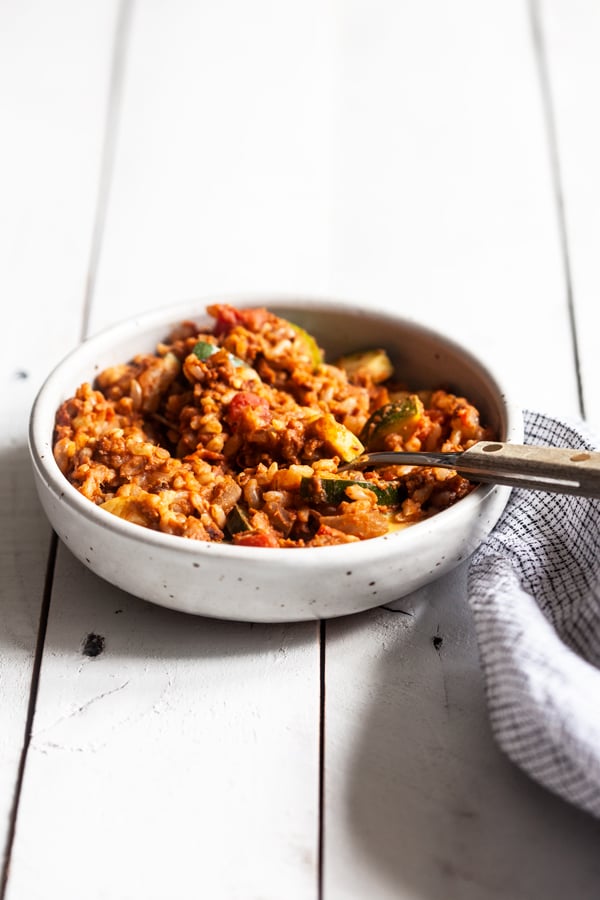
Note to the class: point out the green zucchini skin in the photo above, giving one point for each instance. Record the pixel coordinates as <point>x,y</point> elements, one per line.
<point>203,350</point>
<point>312,348</point>
<point>392,418</point>
<point>331,490</point>
<point>237,521</point>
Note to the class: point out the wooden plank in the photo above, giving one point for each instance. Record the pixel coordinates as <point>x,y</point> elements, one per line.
<point>179,760</point>
<point>223,173</point>
<point>453,212</point>
<point>187,753</point>
<point>53,81</point>
<point>570,35</point>
<point>443,185</point>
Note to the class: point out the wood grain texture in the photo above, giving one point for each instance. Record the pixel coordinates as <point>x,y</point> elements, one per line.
<point>52,95</point>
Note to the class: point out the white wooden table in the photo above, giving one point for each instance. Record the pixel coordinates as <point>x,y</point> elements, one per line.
<point>438,157</point>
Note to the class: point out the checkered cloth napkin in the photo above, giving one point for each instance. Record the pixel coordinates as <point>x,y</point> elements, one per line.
<point>534,588</point>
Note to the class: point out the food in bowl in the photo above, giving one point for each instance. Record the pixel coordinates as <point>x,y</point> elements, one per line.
<point>235,433</point>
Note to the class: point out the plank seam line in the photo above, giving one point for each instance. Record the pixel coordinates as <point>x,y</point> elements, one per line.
<point>33,693</point>
<point>541,57</point>
<point>321,836</point>
<point>108,153</point>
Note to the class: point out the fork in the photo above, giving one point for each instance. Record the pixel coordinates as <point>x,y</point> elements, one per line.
<point>555,469</point>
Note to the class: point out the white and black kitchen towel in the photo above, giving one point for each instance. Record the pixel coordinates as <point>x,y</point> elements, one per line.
<point>534,588</point>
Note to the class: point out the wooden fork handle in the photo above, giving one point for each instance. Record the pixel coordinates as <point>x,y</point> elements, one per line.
<point>523,465</point>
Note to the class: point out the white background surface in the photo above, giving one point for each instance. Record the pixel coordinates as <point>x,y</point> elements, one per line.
<point>440,158</point>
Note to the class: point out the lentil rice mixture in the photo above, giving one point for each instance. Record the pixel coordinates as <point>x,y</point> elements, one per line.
<point>236,434</point>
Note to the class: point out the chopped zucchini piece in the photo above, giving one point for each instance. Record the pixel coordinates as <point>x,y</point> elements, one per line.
<point>331,489</point>
<point>372,364</point>
<point>337,438</point>
<point>237,521</point>
<point>204,349</point>
<point>392,418</point>
<point>312,348</point>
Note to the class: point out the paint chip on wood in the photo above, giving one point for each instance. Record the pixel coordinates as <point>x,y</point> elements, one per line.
<point>93,645</point>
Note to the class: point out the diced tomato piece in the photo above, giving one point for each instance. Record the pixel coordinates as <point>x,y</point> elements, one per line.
<point>254,319</point>
<point>228,317</point>
<point>243,402</point>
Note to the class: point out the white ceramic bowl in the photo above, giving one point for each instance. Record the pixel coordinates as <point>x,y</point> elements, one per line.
<point>265,584</point>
